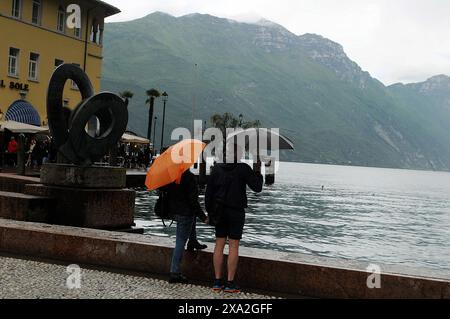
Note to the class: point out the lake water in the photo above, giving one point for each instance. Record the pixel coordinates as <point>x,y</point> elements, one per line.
<point>390,216</point>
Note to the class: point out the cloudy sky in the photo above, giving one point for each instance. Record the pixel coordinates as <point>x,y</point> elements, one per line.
<point>395,40</point>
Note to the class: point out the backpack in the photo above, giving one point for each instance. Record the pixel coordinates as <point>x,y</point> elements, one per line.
<point>162,206</point>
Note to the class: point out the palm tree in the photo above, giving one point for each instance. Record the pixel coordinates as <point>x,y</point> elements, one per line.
<point>126,95</point>
<point>152,95</point>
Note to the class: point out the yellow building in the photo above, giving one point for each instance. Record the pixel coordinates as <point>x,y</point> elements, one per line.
<point>34,39</point>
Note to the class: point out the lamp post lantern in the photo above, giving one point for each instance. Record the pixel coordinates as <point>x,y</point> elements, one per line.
<point>164,97</point>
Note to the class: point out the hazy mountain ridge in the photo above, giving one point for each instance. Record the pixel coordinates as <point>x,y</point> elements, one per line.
<point>306,85</point>
<point>438,84</point>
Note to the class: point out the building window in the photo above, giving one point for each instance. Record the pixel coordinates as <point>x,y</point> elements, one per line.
<point>74,85</point>
<point>77,32</point>
<point>61,19</point>
<point>33,66</point>
<point>37,12</point>
<point>94,31</point>
<point>17,8</point>
<point>58,62</point>
<point>13,62</point>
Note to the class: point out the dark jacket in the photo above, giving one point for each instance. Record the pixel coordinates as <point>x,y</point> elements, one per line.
<point>183,198</point>
<point>237,176</point>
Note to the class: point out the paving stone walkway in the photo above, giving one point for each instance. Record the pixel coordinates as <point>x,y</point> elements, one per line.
<point>30,279</point>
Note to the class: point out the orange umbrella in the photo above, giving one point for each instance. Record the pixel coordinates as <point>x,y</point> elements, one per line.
<point>170,165</point>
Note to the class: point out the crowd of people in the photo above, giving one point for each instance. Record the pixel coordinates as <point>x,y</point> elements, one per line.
<point>39,151</point>
<point>134,156</point>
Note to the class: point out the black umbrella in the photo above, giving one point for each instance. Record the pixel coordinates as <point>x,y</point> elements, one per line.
<point>274,140</point>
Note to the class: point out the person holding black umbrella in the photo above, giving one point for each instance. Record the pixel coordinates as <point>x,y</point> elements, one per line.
<point>226,200</point>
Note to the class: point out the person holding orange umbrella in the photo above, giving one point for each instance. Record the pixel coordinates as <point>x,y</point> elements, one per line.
<point>171,171</point>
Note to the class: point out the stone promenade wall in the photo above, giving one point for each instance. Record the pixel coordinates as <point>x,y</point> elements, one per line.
<point>294,274</point>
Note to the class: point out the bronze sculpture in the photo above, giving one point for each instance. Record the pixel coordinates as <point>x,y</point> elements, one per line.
<point>68,128</point>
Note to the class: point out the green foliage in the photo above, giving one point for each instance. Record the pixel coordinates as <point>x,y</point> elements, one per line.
<point>126,94</point>
<point>152,95</point>
<point>229,120</point>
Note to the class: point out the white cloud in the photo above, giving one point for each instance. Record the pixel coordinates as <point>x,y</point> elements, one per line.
<point>395,40</point>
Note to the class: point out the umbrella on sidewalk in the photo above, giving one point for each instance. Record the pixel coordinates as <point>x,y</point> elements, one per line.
<point>170,165</point>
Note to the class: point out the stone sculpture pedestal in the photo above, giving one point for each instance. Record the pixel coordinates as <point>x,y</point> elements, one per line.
<point>91,197</point>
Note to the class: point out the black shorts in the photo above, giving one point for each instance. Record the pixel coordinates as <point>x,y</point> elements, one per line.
<point>231,224</point>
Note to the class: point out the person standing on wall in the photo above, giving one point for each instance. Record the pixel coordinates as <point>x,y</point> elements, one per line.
<point>184,206</point>
<point>226,200</point>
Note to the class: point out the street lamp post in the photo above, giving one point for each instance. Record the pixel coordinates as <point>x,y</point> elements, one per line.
<point>154,135</point>
<point>165,97</point>
<point>152,94</point>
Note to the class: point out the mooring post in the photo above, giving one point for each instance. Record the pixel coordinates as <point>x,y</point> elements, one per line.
<point>270,171</point>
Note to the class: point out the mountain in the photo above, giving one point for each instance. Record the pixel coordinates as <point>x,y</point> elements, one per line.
<point>306,85</point>
<point>427,104</point>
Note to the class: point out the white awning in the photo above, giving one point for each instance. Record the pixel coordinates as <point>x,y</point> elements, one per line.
<point>17,127</point>
<point>129,138</point>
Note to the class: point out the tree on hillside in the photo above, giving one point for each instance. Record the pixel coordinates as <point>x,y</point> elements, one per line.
<point>229,120</point>
<point>152,94</point>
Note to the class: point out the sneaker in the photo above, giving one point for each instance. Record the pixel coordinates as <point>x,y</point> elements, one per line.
<point>177,279</point>
<point>231,287</point>
<point>195,246</point>
<point>218,286</point>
